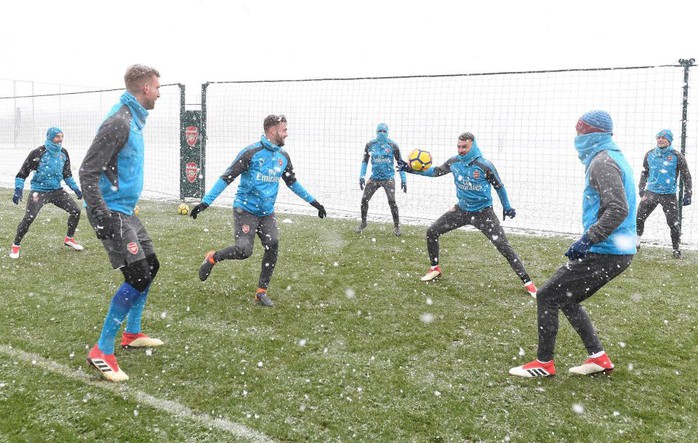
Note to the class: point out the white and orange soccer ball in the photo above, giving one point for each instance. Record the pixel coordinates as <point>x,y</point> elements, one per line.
<point>419,160</point>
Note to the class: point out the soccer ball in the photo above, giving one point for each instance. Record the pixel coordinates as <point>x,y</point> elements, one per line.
<point>183,209</point>
<point>419,160</point>
<point>136,210</point>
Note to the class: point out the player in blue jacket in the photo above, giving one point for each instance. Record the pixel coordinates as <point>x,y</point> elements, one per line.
<point>51,166</point>
<point>474,177</point>
<point>382,151</point>
<point>603,252</point>
<point>112,179</point>
<point>663,170</point>
<point>260,166</point>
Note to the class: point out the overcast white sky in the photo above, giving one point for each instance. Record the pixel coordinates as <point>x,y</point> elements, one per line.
<point>91,43</point>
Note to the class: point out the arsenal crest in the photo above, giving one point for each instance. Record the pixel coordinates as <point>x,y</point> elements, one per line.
<point>192,171</point>
<point>281,162</point>
<point>192,135</point>
<point>132,247</point>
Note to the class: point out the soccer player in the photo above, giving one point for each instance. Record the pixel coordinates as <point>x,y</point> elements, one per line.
<point>603,252</point>
<point>51,165</point>
<point>662,169</point>
<point>260,165</point>
<point>474,176</point>
<point>112,180</point>
<point>382,151</point>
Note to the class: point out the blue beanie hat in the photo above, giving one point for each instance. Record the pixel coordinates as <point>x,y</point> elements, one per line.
<point>667,134</point>
<point>595,121</point>
<point>52,132</point>
<point>382,127</point>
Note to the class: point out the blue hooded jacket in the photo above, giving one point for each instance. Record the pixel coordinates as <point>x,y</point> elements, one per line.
<point>51,164</point>
<point>261,166</point>
<point>382,152</point>
<point>474,177</point>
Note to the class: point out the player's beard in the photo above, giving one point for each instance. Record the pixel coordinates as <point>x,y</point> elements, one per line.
<point>278,141</point>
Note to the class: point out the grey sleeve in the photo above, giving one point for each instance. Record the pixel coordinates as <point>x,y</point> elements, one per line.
<point>645,172</point>
<point>682,167</point>
<point>445,168</point>
<point>101,159</point>
<point>606,177</point>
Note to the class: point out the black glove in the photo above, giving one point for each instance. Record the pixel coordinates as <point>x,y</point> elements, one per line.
<point>403,186</point>
<point>78,194</point>
<point>197,209</point>
<point>686,200</point>
<point>402,165</point>
<point>579,248</point>
<point>511,213</point>
<point>17,197</point>
<point>362,183</point>
<point>320,209</point>
<point>106,227</point>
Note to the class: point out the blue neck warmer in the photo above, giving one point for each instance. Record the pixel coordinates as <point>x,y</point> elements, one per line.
<point>269,145</point>
<point>51,147</point>
<point>382,132</point>
<point>471,155</point>
<point>588,145</point>
<point>137,110</point>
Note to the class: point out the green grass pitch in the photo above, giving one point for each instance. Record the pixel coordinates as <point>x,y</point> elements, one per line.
<point>355,349</point>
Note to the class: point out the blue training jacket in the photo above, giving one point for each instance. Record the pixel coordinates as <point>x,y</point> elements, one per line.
<point>260,165</point>
<point>111,175</point>
<point>662,167</point>
<point>51,164</point>
<point>382,153</point>
<point>609,206</point>
<point>474,177</point>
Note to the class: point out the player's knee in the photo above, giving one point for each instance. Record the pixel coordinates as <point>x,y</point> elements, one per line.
<point>138,275</point>
<point>272,244</point>
<point>432,233</point>
<point>244,250</point>
<point>153,265</point>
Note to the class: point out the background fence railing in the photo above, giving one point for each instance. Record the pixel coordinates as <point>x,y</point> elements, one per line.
<point>524,123</point>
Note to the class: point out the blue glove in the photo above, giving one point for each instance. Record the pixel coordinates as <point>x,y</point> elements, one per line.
<point>403,186</point>
<point>579,248</point>
<point>78,194</point>
<point>686,200</point>
<point>17,197</point>
<point>511,213</point>
<point>402,165</point>
<point>362,183</point>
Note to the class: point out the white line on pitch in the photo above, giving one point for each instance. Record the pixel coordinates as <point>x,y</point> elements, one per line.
<point>123,391</point>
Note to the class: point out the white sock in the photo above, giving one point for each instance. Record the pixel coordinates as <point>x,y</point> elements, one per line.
<point>597,354</point>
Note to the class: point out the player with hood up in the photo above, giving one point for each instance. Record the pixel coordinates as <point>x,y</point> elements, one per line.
<point>382,151</point>
<point>51,165</point>
<point>474,177</point>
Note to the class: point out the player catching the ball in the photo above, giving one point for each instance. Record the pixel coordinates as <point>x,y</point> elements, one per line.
<point>381,150</point>
<point>261,166</point>
<point>474,176</point>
